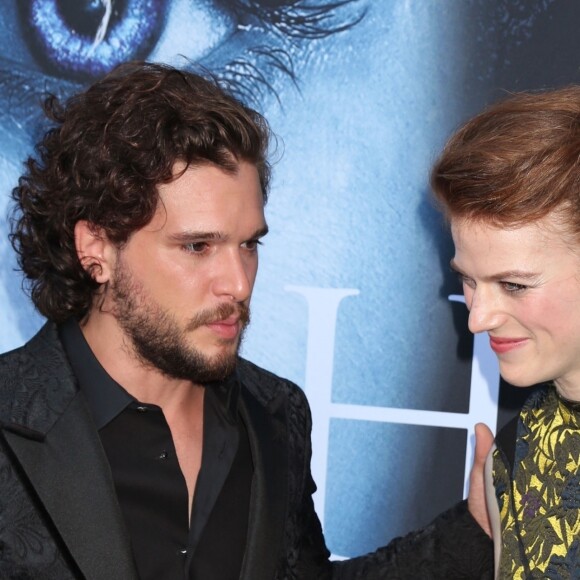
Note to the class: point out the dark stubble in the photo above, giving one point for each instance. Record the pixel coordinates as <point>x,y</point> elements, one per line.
<point>159,341</point>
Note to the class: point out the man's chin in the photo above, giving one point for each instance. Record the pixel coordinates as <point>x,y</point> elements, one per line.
<point>222,350</point>
<point>216,373</point>
<point>216,367</point>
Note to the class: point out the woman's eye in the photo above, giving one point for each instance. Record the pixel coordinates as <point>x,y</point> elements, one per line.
<point>512,287</point>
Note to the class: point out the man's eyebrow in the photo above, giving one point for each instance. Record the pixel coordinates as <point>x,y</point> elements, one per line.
<point>188,237</point>
<point>260,233</point>
<point>507,274</point>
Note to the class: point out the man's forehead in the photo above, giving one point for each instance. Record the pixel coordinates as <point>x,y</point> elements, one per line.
<point>207,199</point>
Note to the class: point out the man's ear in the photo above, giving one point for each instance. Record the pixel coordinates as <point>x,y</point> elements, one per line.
<point>94,250</point>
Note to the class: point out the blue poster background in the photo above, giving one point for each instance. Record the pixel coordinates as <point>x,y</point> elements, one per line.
<point>352,300</point>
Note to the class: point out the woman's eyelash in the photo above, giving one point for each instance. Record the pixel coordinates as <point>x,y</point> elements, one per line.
<point>513,287</point>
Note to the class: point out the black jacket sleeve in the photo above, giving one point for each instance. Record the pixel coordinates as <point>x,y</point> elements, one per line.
<point>452,546</point>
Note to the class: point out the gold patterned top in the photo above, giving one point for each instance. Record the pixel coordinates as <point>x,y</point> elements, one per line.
<point>539,504</point>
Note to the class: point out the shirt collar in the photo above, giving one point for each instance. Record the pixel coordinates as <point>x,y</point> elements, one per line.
<point>106,398</point>
<point>225,396</point>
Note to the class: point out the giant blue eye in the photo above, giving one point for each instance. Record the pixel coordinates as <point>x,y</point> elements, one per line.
<point>86,38</point>
<point>251,45</point>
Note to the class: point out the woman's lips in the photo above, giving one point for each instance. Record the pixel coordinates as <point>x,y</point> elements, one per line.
<point>501,345</point>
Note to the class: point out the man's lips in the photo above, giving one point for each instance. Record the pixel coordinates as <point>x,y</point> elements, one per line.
<point>226,327</point>
<point>501,345</point>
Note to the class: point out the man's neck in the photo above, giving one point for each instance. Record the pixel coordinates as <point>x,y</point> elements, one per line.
<point>147,384</point>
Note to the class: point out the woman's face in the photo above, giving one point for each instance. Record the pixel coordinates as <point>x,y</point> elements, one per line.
<point>522,287</point>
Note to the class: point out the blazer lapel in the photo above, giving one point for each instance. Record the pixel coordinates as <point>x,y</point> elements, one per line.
<point>267,430</point>
<point>70,474</point>
<point>52,435</point>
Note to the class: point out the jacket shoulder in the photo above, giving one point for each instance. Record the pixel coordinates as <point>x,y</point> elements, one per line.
<point>36,381</point>
<point>45,343</point>
<point>267,386</point>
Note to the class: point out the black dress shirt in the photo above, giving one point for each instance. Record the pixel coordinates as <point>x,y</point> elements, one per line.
<point>168,543</point>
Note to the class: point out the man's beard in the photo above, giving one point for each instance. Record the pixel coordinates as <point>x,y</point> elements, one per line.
<point>159,341</point>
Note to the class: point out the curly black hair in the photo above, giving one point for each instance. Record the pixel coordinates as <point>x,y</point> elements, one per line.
<point>107,151</point>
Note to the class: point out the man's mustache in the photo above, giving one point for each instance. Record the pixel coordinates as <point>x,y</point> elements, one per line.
<point>221,312</point>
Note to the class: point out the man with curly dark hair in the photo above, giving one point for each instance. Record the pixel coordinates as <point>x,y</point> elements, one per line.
<point>134,442</point>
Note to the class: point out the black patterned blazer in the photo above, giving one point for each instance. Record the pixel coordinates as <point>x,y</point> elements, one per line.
<point>59,516</point>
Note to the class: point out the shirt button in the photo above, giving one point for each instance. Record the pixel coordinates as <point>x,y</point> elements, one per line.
<point>163,455</point>
<point>183,551</point>
<point>142,409</point>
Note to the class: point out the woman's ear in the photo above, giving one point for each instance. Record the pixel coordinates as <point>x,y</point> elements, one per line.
<point>94,250</point>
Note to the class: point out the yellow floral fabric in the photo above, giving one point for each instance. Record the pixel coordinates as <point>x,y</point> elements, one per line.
<point>539,500</point>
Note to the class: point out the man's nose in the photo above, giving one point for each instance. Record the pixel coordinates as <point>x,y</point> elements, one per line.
<point>235,277</point>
